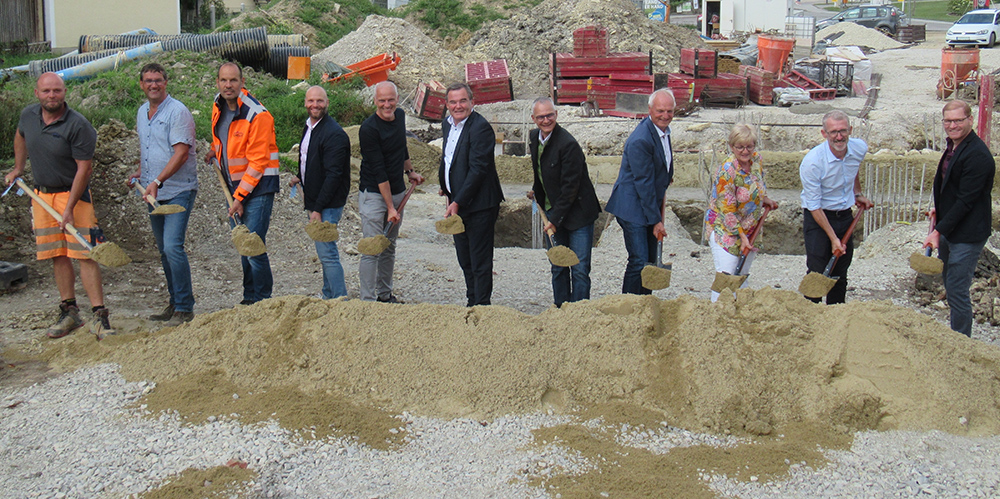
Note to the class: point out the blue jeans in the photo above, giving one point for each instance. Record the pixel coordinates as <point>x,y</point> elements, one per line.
<point>169,231</point>
<point>257,279</point>
<point>333,272</point>
<point>641,247</point>
<point>960,261</point>
<point>573,283</point>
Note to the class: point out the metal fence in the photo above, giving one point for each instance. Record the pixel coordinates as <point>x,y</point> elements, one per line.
<point>901,193</point>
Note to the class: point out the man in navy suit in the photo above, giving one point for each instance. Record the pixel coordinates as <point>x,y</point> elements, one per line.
<point>637,197</point>
<point>962,204</point>
<point>468,177</point>
<point>325,173</point>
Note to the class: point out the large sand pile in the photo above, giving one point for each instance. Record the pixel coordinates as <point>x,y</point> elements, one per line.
<point>847,33</point>
<point>750,366</point>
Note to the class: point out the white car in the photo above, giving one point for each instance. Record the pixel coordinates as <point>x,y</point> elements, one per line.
<point>977,27</point>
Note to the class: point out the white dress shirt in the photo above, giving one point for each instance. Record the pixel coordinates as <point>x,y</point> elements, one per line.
<point>449,148</point>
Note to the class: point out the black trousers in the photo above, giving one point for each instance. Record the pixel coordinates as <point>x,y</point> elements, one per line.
<point>474,248</point>
<point>818,251</point>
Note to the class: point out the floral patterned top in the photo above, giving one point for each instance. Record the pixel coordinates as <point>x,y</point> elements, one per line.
<point>737,202</point>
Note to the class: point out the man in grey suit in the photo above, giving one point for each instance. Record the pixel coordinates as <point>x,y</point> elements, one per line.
<point>468,176</point>
<point>637,196</point>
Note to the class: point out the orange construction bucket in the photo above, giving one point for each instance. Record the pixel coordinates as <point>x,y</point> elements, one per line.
<point>772,52</point>
<point>957,65</point>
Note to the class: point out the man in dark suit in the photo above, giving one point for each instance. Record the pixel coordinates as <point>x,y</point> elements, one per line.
<point>468,176</point>
<point>637,196</point>
<point>962,204</point>
<point>325,174</point>
<point>563,189</point>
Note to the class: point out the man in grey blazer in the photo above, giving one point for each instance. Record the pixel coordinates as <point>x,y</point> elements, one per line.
<point>637,196</point>
<point>468,177</point>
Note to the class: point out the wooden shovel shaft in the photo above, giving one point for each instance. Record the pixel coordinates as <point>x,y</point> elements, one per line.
<point>142,192</point>
<point>225,190</point>
<point>843,241</point>
<point>753,236</point>
<point>545,221</point>
<point>930,250</point>
<point>55,214</point>
<point>406,197</point>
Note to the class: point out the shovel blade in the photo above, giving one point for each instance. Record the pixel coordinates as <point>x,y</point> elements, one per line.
<point>654,277</point>
<point>373,246</point>
<point>247,243</point>
<point>816,285</point>
<point>450,226</point>
<point>724,281</point>
<point>562,256</point>
<point>926,264</point>
<point>109,255</point>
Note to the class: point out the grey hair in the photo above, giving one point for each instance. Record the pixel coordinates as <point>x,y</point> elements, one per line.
<point>664,91</point>
<point>390,84</point>
<point>459,86</point>
<point>836,115</point>
<point>541,100</point>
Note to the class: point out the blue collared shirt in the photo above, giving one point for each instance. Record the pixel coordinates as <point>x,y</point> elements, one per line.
<point>172,124</point>
<point>828,182</point>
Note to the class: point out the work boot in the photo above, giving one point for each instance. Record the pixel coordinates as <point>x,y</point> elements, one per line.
<point>69,320</point>
<point>101,326</point>
<point>179,318</point>
<point>163,316</point>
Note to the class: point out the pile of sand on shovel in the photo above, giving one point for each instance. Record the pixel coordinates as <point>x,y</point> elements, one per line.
<point>247,243</point>
<point>323,232</point>
<point>654,277</point>
<point>451,225</point>
<point>926,264</point>
<point>109,255</point>
<point>816,285</point>
<point>561,256</point>
<point>373,245</point>
<point>167,209</point>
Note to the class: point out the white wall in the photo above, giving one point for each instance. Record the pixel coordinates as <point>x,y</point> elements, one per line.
<point>66,20</point>
<point>749,15</point>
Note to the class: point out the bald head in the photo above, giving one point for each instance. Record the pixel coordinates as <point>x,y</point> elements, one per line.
<point>51,92</point>
<point>316,102</point>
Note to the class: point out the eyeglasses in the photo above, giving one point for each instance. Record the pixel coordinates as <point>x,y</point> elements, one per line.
<point>844,131</point>
<point>158,81</point>
<point>750,147</point>
<point>545,117</point>
<point>954,122</point>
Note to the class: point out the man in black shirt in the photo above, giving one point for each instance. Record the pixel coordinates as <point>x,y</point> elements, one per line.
<point>384,161</point>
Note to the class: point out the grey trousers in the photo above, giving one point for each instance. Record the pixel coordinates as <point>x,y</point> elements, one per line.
<point>960,261</point>
<point>375,271</point>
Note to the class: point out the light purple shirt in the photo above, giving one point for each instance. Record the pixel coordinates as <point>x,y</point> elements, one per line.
<point>172,124</point>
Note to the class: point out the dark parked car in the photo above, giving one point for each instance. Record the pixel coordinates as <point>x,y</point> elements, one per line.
<point>884,18</point>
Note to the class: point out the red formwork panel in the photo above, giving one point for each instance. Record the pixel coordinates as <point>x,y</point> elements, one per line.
<point>760,84</point>
<point>563,65</point>
<point>590,41</point>
<point>429,103</point>
<point>603,90</point>
<point>490,81</point>
<point>570,91</point>
<point>816,91</point>
<point>725,83</point>
<point>701,63</point>
<point>486,70</point>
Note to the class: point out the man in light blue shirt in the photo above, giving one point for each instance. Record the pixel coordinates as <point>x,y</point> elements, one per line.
<point>169,173</point>
<point>830,187</point>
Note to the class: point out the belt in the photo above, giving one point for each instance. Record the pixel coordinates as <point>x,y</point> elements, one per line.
<point>51,190</point>
<point>839,213</point>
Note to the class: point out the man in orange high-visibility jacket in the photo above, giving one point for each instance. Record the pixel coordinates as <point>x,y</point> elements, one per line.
<point>244,142</point>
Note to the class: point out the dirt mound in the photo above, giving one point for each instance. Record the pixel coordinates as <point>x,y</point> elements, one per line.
<point>749,366</point>
<point>527,38</point>
<point>421,58</point>
<point>856,34</point>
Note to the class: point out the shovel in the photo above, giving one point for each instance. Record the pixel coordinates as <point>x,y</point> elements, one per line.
<point>816,285</point>
<point>247,243</point>
<point>377,244</point>
<point>658,276</point>
<point>559,255</point>
<point>924,263</point>
<point>158,209</point>
<point>733,281</point>
<point>107,254</point>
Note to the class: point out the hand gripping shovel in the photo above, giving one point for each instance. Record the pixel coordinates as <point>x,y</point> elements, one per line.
<point>107,254</point>
<point>247,243</point>
<point>724,280</point>
<point>375,245</point>
<point>816,285</point>
<point>560,256</point>
<point>658,276</point>
<point>158,209</point>
<point>924,263</point>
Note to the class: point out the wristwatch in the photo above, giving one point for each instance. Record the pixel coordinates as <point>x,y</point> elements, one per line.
<point>158,183</point>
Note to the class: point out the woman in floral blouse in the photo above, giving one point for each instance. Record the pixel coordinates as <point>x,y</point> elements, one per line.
<point>737,203</point>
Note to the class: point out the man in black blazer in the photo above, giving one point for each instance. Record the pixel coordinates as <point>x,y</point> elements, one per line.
<point>962,204</point>
<point>325,174</point>
<point>563,189</point>
<point>468,177</point>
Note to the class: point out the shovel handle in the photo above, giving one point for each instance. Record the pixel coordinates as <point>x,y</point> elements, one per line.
<point>843,241</point>
<point>753,236</point>
<point>225,189</point>
<point>142,192</point>
<point>402,203</point>
<point>55,214</point>
<point>545,221</point>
